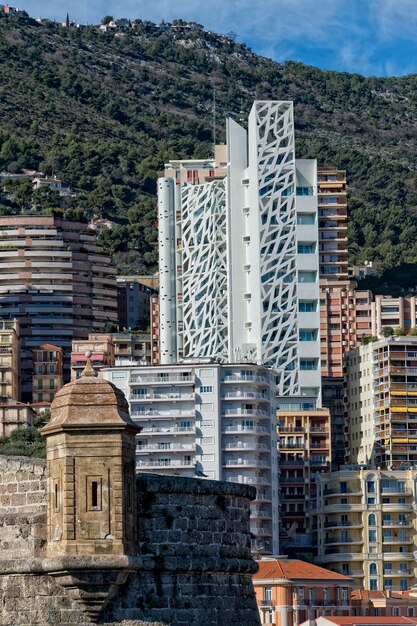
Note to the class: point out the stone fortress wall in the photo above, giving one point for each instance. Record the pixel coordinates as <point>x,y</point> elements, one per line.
<point>193,565</point>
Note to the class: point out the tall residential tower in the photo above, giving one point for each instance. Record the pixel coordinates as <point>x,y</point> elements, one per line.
<point>239,267</point>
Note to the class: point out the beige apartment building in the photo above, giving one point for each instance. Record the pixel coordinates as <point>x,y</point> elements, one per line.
<point>381,403</point>
<point>9,360</point>
<point>366,526</point>
<point>48,372</point>
<point>304,450</point>
<point>197,171</point>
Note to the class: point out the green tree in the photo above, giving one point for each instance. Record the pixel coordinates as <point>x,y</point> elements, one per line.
<point>387,331</point>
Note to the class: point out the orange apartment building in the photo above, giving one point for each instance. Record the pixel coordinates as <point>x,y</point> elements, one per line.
<point>384,603</point>
<point>288,592</point>
<point>48,372</point>
<point>305,449</point>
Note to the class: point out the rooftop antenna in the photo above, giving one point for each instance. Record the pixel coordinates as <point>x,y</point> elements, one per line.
<point>241,118</point>
<point>214,119</point>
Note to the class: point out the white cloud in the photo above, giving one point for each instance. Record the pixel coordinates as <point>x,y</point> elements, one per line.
<point>394,19</point>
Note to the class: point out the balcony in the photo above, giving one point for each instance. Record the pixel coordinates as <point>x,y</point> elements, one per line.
<point>398,572</point>
<point>234,378</point>
<point>251,412</point>
<point>175,430</point>
<point>161,396</point>
<point>239,445</point>
<point>387,539</point>
<point>246,395</point>
<point>402,523</point>
<point>172,447</point>
<point>162,415</point>
<point>246,463</point>
<point>164,463</point>
<point>346,541</point>
<point>245,429</point>
<point>145,380</point>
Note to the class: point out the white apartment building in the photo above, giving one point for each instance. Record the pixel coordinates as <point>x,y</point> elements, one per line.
<point>239,265</point>
<point>208,420</point>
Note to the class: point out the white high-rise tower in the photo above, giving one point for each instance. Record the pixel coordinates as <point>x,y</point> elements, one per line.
<point>239,255</point>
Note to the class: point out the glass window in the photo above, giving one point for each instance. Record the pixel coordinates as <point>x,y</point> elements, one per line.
<point>206,389</point>
<point>372,569</point>
<point>308,334</point>
<point>306,218</point>
<point>307,277</point>
<point>268,594</point>
<point>306,248</point>
<point>373,584</point>
<point>371,535</point>
<point>371,520</point>
<point>308,364</point>
<point>307,306</point>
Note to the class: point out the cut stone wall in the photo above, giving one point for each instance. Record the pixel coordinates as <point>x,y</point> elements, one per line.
<point>22,485</point>
<point>193,564</point>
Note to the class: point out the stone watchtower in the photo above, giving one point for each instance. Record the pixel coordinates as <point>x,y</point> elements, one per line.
<point>90,449</point>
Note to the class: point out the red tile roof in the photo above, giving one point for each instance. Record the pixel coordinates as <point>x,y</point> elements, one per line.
<point>293,569</point>
<point>47,346</point>
<point>365,594</point>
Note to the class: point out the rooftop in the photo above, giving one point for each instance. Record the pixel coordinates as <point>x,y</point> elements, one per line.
<point>293,569</point>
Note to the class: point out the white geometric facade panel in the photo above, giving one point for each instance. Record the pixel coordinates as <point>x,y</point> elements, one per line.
<point>203,272</point>
<point>278,245</point>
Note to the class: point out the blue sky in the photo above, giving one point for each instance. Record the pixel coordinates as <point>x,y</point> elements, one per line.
<point>370,37</point>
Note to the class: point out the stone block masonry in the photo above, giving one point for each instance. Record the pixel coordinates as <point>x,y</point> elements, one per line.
<point>22,485</point>
<point>192,566</point>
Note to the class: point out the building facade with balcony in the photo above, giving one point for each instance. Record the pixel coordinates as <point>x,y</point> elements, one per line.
<point>366,526</point>
<point>290,591</point>
<point>133,303</point>
<point>102,353</point>
<point>249,238</point>
<point>48,372</point>
<point>155,340</point>
<point>132,348</point>
<point>209,421</point>
<point>56,281</point>
<point>381,403</point>
<point>9,360</point>
<point>304,450</point>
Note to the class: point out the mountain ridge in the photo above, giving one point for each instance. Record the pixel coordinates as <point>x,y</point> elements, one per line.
<point>104,111</point>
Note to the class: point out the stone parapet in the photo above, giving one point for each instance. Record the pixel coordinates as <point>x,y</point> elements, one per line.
<point>192,564</point>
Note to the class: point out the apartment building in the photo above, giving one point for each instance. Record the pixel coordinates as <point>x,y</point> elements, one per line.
<point>290,591</point>
<point>9,360</point>
<point>384,603</point>
<point>261,212</point>
<point>56,281</point>
<point>198,171</point>
<point>102,352</point>
<point>332,212</point>
<point>15,415</point>
<point>208,420</point>
<point>304,450</point>
<point>48,372</point>
<point>366,526</point>
<point>133,304</point>
<point>381,403</point>
<point>132,348</point>
<point>395,312</point>
<point>155,338</point>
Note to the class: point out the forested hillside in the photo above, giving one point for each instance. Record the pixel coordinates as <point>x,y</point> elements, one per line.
<point>104,111</point>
